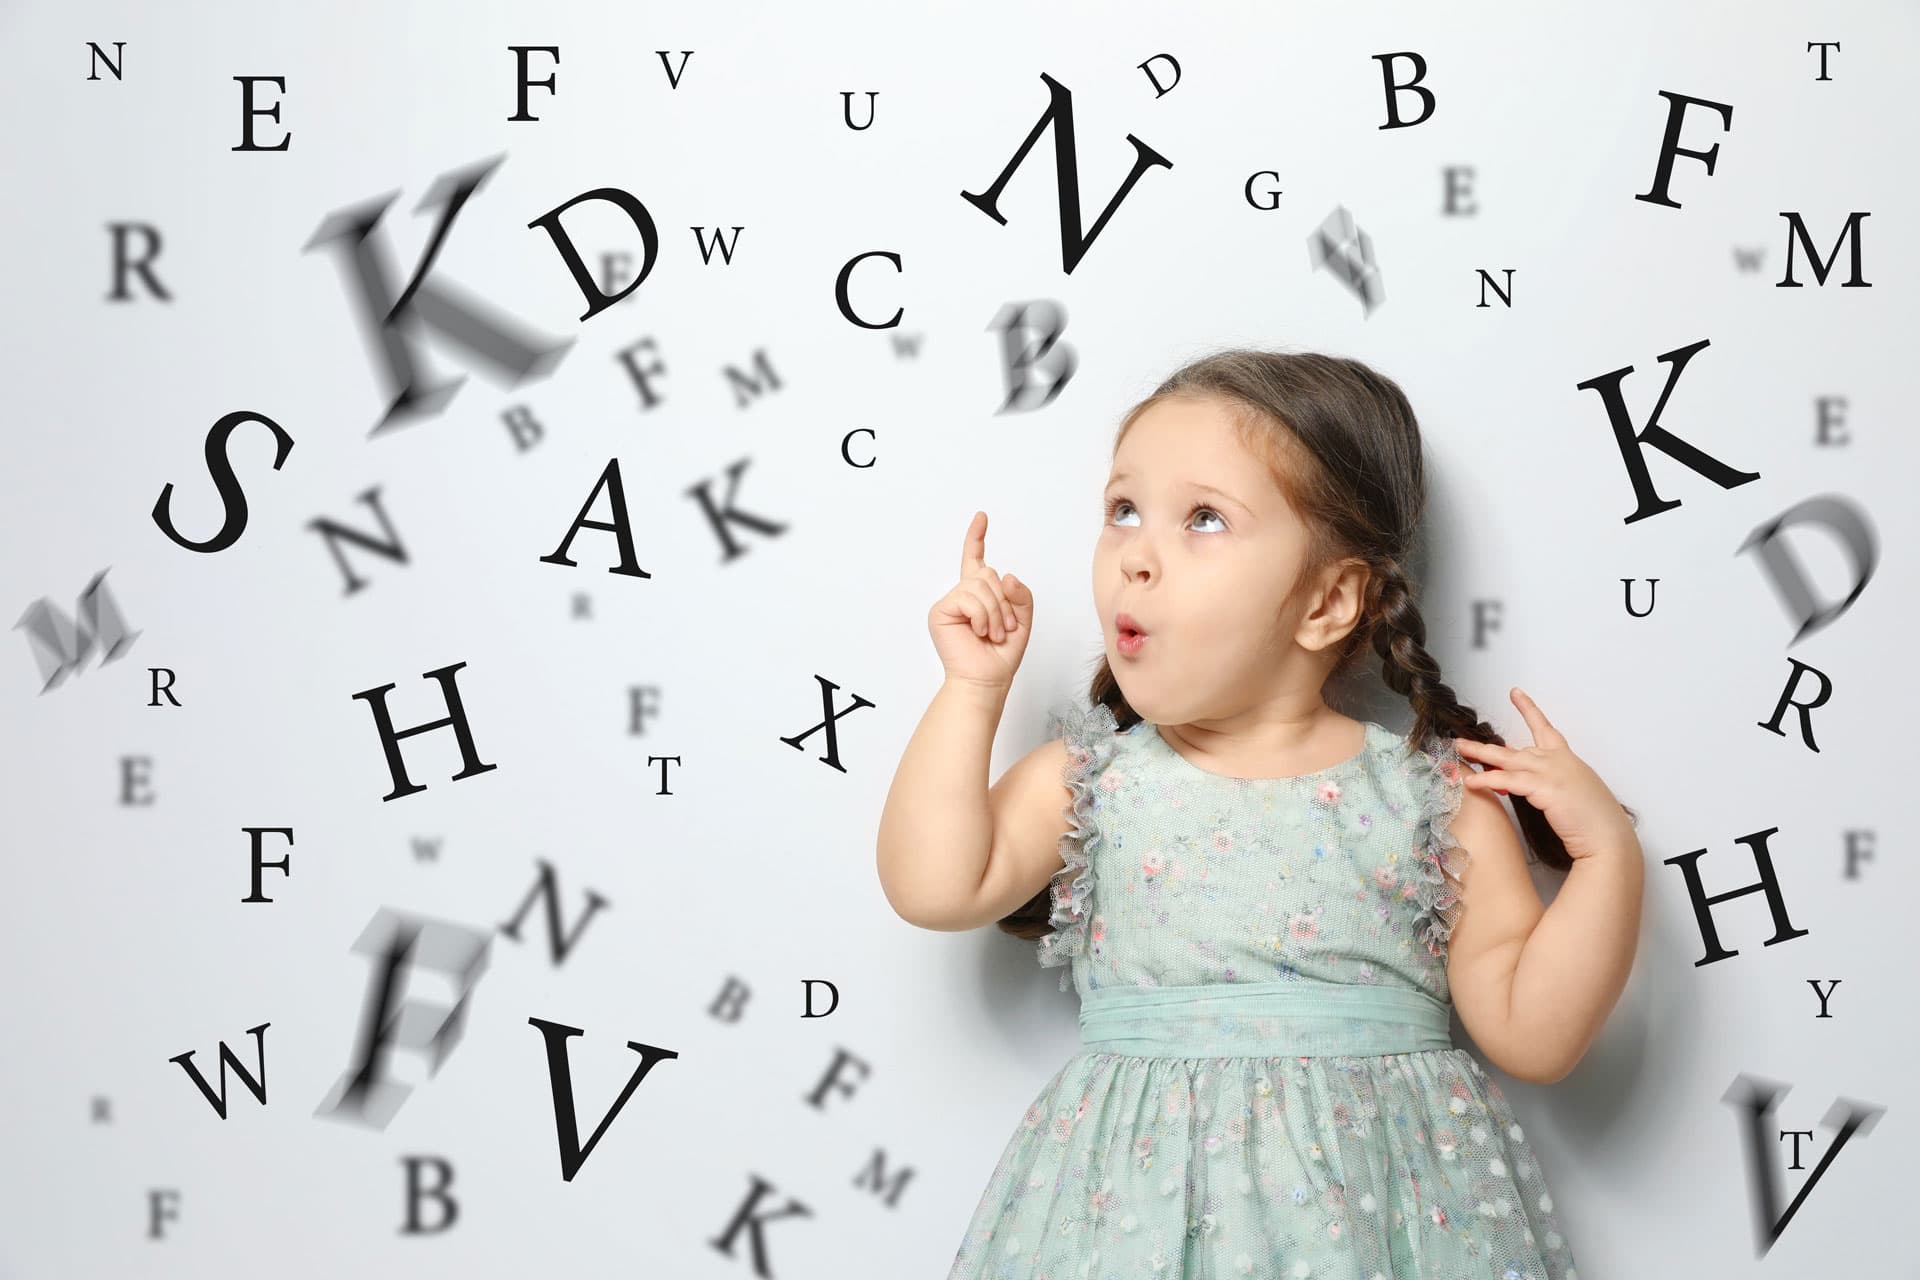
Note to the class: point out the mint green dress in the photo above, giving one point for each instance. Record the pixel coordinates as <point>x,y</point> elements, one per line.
<point>1266,1084</point>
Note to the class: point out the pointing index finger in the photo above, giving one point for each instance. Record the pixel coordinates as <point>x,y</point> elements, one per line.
<point>973,553</point>
<point>1544,734</point>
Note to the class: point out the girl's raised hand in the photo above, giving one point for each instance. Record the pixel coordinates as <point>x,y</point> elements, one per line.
<point>980,628</point>
<point>1583,813</point>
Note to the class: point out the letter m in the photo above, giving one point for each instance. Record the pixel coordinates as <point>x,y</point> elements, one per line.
<point>1798,236</point>
<point>61,645</point>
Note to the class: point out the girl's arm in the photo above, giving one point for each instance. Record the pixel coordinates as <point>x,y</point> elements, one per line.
<point>936,831</point>
<point>1570,962</point>
<point>1575,963</point>
<point>1534,985</point>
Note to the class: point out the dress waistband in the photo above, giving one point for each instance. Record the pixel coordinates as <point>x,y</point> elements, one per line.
<point>1263,1019</point>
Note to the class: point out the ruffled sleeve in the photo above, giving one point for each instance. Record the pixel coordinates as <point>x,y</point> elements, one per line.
<point>1438,786</point>
<point>1089,734</point>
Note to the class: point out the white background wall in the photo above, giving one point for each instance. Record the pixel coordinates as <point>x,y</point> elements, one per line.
<point>126,942</point>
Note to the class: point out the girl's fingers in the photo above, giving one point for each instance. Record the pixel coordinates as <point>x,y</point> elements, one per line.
<point>1490,778</point>
<point>1012,587</point>
<point>989,608</point>
<point>1490,754</point>
<point>996,592</point>
<point>973,551</point>
<point>964,603</point>
<point>973,565</point>
<point>1544,734</point>
<point>999,588</point>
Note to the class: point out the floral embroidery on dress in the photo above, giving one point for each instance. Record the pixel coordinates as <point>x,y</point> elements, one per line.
<point>1089,735</point>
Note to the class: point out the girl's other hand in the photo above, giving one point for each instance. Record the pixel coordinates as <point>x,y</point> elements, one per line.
<point>980,628</point>
<point>1583,813</point>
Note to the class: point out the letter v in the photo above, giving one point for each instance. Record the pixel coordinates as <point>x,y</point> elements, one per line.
<point>572,1154</point>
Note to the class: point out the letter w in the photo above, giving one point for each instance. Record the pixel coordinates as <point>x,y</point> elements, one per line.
<point>256,1087</point>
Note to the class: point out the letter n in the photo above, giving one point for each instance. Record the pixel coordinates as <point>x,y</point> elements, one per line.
<point>1059,114</point>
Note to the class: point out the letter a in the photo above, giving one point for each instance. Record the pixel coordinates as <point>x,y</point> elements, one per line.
<point>618,525</point>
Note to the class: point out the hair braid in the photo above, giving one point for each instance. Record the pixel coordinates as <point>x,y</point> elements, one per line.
<point>1399,637</point>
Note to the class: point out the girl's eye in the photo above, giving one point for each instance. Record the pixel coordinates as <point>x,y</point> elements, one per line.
<point>1116,504</point>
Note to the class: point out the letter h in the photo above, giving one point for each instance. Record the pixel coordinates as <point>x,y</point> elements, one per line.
<point>390,737</point>
<point>1703,904</point>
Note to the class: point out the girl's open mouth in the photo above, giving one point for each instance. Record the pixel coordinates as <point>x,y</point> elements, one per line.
<point>1131,642</point>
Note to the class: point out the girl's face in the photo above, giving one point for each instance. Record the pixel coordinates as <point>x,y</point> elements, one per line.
<point>1200,547</point>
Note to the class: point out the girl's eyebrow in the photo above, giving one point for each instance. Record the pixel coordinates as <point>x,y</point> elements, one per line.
<point>1191,484</point>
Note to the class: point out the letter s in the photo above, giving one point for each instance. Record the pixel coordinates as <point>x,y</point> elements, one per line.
<point>232,497</point>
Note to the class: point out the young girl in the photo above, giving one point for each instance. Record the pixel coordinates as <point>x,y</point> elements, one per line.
<point>1268,908</point>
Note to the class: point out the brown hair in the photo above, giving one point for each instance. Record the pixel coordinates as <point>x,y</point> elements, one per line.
<point>1342,443</point>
